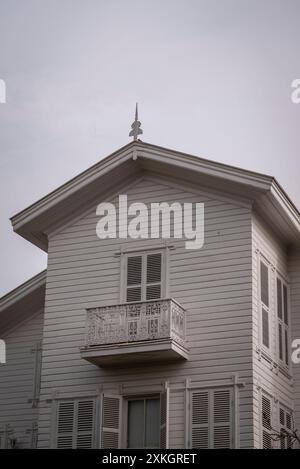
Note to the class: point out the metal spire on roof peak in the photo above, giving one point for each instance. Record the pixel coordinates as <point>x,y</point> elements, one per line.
<point>136,125</point>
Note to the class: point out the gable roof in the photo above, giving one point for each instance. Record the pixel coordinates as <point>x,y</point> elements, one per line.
<point>22,302</point>
<point>267,196</point>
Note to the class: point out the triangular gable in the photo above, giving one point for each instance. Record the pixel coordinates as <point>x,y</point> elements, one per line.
<point>137,157</point>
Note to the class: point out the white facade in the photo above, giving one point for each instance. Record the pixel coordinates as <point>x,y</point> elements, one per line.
<point>198,350</point>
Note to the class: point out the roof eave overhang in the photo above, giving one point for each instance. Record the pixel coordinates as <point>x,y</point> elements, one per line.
<point>22,302</point>
<point>263,191</point>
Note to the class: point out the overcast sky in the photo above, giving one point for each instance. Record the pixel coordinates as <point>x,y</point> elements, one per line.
<point>212,78</point>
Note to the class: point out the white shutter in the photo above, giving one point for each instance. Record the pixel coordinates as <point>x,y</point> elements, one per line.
<point>134,278</point>
<point>283,322</point>
<point>85,424</point>
<point>265,327</point>
<point>200,420</point>
<point>37,350</point>
<point>211,419</point>
<point>65,424</point>
<point>154,277</point>
<point>111,422</point>
<point>222,419</point>
<point>164,419</point>
<point>264,283</point>
<point>75,424</point>
<point>264,297</point>
<point>285,420</point>
<point>266,416</point>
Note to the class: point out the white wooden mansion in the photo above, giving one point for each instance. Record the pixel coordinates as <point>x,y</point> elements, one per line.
<point>143,343</point>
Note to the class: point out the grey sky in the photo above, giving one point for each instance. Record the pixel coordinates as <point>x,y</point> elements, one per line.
<point>212,78</point>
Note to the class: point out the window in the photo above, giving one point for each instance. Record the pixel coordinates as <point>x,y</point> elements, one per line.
<point>275,432</point>
<point>135,422</point>
<point>285,420</point>
<point>283,321</point>
<point>211,419</point>
<point>264,300</point>
<point>144,279</point>
<point>75,424</point>
<point>143,423</point>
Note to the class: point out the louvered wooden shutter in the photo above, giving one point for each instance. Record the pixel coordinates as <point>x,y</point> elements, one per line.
<point>211,419</point>
<point>134,278</point>
<point>285,305</point>
<point>85,424</point>
<point>37,350</point>
<point>222,419</point>
<point>280,341</point>
<point>265,328</point>
<point>111,422</point>
<point>75,424</point>
<point>65,424</point>
<point>164,419</point>
<point>264,283</point>
<point>264,295</point>
<point>282,315</point>
<point>279,298</point>
<point>285,419</point>
<point>266,415</point>
<point>153,280</point>
<point>200,420</point>
<point>286,322</point>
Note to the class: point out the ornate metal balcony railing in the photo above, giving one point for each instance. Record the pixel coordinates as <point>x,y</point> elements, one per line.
<point>133,322</point>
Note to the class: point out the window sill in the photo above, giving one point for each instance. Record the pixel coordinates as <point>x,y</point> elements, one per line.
<point>274,364</point>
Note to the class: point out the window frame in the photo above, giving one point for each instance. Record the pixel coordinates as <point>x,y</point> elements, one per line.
<point>126,401</point>
<point>164,397</point>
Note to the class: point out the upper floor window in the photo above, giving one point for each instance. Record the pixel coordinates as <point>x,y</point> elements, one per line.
<point>144,277</point>
<point>283,321</point>
<point>265,303</point>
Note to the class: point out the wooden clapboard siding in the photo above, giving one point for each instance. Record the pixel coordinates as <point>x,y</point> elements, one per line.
<point>213,285</point>
<point>266,378</point>
<point>17,379</point>
<point>294,274</point>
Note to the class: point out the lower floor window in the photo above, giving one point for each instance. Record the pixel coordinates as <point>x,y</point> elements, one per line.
<point>143,423</point>
<point>276,422</point>
<point>211,419</point>
<point>134,422</point>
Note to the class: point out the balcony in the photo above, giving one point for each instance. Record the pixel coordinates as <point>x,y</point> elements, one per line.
<point>150,331</point>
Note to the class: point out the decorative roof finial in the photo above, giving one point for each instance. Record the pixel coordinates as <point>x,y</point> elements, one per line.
<point>136,126</point>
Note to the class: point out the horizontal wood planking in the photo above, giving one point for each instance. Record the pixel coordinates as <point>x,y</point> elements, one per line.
<point>213,284</point>
<point>277,385</point>
<point>294,275</point>
<point>17,379</point>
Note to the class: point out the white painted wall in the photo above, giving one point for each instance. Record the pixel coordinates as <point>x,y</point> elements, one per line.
<point>213,284</point>
<point>294,274</point>
<point>17,380</point>
<point>267,375</point>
